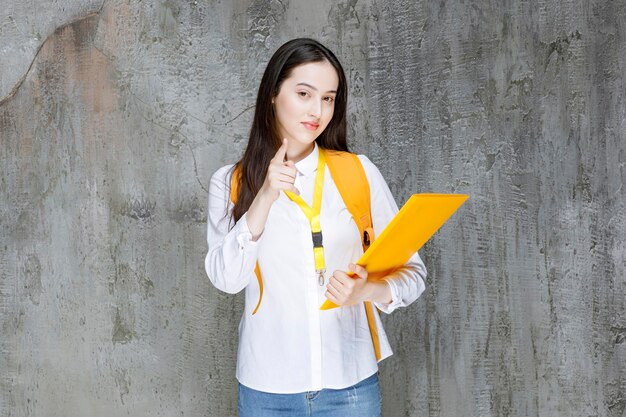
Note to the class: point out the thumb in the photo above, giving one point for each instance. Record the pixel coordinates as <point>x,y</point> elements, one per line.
<point>358,270</point>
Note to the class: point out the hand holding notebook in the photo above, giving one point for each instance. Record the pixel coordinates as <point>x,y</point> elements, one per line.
<point>415,223</point>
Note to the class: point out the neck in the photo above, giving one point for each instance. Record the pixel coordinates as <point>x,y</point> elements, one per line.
<point>298,151</point>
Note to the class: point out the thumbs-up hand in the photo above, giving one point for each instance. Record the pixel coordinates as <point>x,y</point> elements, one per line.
<point>281,174</point>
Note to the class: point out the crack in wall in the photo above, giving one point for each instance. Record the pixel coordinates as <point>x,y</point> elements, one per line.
<point>236,117</point>
<point>20,82</point>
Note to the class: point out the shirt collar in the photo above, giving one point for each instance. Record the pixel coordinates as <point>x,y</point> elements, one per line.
<point>308,165</point>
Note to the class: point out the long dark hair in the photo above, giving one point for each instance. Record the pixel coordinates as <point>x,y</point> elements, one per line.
<point>264,141</point>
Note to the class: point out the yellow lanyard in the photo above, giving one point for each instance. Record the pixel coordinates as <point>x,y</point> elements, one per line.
<point>313,214</point>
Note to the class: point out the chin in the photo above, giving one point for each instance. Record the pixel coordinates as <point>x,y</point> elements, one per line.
<point>305,140</point>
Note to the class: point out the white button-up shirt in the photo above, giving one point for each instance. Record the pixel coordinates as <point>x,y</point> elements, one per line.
<point>290,345</point>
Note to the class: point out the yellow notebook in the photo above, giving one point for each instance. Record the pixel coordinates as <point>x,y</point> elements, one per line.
<point>415,223</point>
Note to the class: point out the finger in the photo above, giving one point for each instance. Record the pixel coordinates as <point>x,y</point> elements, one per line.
<point>337,296</point>
<point>286,178</point>
<point>332,298</point>
<point>277,172</point>
<point>281,168</point>
<point>282,151</point>
<point>341,283</point>
<point>336,285</point>
<point>291,171</point>
<point>287,186</point>
<point>343,279</point>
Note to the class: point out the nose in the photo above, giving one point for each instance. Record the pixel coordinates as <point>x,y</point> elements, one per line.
<point>315,110</point>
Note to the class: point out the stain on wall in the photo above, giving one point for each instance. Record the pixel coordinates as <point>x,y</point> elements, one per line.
<point>114,115</point>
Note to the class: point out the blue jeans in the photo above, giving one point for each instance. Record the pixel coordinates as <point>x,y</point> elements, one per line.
<point>360,400</point>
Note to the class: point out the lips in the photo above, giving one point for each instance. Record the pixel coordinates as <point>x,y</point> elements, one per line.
<point>311,125</point>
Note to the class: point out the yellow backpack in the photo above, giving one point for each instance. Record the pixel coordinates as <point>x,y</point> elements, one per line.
<point>349,177</point>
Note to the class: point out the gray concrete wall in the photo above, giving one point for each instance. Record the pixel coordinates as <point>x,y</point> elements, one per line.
<point>114,115</point>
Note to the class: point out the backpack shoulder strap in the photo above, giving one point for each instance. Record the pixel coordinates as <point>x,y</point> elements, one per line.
<point>349,177</point>
<point>234,193</point>
<point>351,181</point>
<point>234,184</point>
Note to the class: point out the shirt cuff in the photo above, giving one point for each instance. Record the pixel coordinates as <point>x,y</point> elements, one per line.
<point>395,299</point>
<point>244,235</point>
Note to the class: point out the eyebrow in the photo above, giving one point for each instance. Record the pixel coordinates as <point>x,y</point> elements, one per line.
<point>313,88</point>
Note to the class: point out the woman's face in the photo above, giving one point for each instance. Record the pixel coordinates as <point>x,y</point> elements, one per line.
<point>305,102</point>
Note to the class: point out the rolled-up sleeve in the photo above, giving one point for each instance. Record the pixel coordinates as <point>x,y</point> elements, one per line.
<point>232,254</point>
<point>408,282</point>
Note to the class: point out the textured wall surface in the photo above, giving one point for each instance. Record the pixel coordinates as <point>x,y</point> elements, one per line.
<point>114,115</point>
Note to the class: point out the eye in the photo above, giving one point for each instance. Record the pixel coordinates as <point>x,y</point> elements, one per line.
<point>303,93</point>
<point>329,99</point>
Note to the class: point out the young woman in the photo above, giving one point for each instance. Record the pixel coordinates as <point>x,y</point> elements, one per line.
<point>293,358</point>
